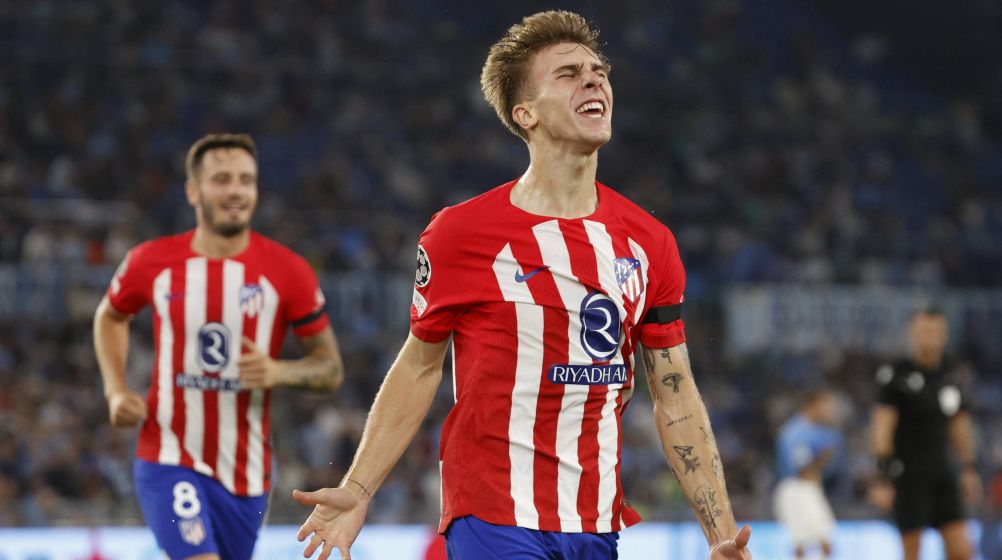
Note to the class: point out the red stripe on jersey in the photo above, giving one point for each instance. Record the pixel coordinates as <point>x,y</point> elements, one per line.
<point>485,416</point>
<point>148,446</point>
<point>210,399</point>
<point>178,286</point>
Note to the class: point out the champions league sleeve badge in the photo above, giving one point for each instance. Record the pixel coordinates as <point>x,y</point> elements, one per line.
<point>423,273</point>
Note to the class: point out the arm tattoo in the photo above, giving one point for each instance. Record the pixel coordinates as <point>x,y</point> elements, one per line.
<point>706,435</point>
<point>649,366</point>
<point>706,500</point>
<point>690,461</point>
<point>666,354</point>
<point>717,466</point>
<point>674,421</point>
<point>671,380</point>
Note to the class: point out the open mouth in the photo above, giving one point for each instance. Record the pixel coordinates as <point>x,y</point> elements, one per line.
<point>593,108</point>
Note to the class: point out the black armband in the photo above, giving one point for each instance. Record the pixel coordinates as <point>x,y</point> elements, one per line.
<point>664,314</point>
<point>890,467</point>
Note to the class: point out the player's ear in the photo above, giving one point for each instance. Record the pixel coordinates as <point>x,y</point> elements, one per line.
<point>191,191</point>
<point>524,115</point>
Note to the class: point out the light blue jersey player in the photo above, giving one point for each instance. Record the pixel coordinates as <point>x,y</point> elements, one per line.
<point>806,444</point>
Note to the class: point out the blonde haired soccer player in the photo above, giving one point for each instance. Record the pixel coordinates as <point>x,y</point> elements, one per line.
<point>545,286</point>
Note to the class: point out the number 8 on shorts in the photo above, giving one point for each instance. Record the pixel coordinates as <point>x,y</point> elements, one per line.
<point>186,504</point>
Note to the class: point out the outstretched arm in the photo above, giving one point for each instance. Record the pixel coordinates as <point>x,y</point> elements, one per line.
<point>691,449</point>
<point>396,415</point>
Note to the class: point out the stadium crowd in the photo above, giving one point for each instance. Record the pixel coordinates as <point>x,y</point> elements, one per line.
<point>777,148</point>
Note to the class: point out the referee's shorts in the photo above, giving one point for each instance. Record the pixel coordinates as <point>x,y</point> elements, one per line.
<point>926,500</point>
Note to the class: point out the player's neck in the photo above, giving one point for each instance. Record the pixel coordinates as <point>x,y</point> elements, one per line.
<point>215,246</point>
<point>558,183</point>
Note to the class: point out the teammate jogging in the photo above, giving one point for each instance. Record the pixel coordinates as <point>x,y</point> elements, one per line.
<point>223,297</point>
<point>920,414</point>
<point>545,286</point>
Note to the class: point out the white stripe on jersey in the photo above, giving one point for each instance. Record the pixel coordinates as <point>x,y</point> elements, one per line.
<point>608,429</point>
<point>638,252</point>
<point>196,295</point>
<point>170,450</point>
<point>529,362</point>
<point>553,249</point>
<point>226,456</point>
<point>255,432</point>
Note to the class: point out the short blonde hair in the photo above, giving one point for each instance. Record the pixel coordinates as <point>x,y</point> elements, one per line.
<point>506,70</point>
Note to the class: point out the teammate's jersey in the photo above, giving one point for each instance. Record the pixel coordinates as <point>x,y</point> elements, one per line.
<point>800,442</point>
<point>926,401</point>
<point>199,417</point>
<point>545,314</point>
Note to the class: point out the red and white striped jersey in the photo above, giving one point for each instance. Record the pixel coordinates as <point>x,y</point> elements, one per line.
<point>545,314</point>
<point>199,417</point>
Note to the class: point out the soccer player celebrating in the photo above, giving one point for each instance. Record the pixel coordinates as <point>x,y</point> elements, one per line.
<point>919,415</point>
<point>545,286</point>
<point>223,297</point>
<point>807,443</point>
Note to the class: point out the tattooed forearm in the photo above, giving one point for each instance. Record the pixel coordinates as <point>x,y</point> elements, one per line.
<point>706,435</point>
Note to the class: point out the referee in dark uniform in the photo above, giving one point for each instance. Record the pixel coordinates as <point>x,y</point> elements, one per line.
<point>919,417</point>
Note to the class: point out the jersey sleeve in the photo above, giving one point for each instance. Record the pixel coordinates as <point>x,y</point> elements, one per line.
<point>667,285</point>
<point>306,310</point>
<point>131,289</point>
<point>441,288</point>
<point>887,392</point>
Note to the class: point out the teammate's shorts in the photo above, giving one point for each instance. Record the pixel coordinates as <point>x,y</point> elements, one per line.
<point>469,538</point>
<point>926,500</point>
<point>801,507</point>
<point>190,513</point>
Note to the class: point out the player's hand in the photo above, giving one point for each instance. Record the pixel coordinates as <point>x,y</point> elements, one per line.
<point>970,487</point>
<point>126,408</point>
<point>336,520</point>
<point>733,549</point>
<point>257,369</point>
<point>881,495</point>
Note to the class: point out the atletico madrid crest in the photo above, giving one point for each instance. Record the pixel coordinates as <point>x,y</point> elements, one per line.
<point>629,278</point>
<point>251,299</point>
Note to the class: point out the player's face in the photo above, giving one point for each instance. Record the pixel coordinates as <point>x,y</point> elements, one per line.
<point>224,194</point>
<point>825,409</point>
<point>929,333</point>
<point>570,97</point>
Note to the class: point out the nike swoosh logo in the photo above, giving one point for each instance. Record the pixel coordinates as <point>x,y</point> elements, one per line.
<point>525,277</point>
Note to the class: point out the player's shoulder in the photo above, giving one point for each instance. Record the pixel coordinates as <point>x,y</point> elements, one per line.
<point>640,222</point>
<point>274,252</point>
<point>474,212</point>
<point>160,249</point>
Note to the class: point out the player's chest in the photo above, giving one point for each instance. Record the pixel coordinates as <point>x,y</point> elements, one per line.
<point>221,290</point>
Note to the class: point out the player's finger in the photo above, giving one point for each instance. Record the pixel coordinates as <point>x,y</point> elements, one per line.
<point>315,541</point>
<point>304,531</point>
<point>345,552</point>
<point>249,344</point>
<point>744,535</point>
<point>306,498</point>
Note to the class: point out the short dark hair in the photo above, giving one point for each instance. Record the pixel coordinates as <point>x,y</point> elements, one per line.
<point>211,142</point>
<point>505,72</point>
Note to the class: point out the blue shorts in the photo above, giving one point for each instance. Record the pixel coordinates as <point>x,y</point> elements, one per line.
<point>190,513</point>
<point>469,538</point>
